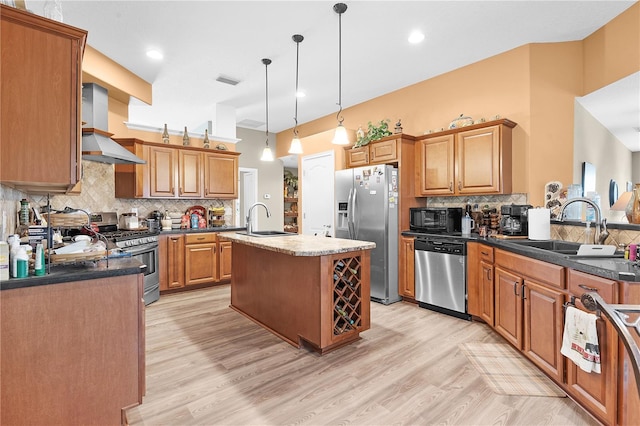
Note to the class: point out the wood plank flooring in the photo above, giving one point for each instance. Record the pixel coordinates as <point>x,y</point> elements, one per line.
<point>209,365</point>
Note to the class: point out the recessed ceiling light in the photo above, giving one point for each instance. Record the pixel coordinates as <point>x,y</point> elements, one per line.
<point>416,37</point>
<point>300,94</point>
<point>154,54</point>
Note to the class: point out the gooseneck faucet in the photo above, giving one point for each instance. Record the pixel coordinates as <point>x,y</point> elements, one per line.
<point>601,223</point>
<point>249,224</point>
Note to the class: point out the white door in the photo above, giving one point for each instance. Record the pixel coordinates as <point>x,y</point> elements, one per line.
<point>247,194</point>
<point>317,193</point>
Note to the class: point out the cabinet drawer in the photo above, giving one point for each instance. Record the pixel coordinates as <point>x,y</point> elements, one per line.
<point>543,272</point>
<point>208,237</point>
<point>485,253</point>
<point>580,283</point>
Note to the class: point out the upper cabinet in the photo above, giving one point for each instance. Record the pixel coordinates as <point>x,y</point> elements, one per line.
<point>177,172</point>
<point>470,160</point>
<point>382,151</point>
<point>41,109</point>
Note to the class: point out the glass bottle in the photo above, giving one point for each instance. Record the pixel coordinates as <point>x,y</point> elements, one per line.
<point>633,207</point>
<point>185,137</point>
<point>24,212</point>
<point>206,138</point>
<point>165,134</point>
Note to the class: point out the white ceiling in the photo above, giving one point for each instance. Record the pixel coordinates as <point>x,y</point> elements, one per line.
<point>202,40</point>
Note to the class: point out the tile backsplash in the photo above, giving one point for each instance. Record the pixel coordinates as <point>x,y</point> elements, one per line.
<point>493,201</point>
<point>98,195</point>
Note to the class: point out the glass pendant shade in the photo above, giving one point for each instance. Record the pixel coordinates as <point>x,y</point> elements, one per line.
<point>296,146</point>
<point>340,137</point>
<point>267,155</point>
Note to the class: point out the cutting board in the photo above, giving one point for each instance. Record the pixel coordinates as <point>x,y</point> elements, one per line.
<point>596,250</point>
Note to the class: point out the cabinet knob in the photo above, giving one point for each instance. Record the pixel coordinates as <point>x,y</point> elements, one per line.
<point>451,186</point>
<point>459,185</point>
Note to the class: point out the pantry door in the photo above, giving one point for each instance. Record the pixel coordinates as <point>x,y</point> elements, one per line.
<point>316,194</point>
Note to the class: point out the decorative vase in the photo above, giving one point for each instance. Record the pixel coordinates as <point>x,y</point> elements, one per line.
<point>165,134</point>
<point>206,138</point>
<point>185,137</point>
<point>633,208</point>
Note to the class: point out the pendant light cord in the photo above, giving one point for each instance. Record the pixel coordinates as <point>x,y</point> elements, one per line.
<point>339,8</point>
<point>266,63</point>
<point>297,38</point>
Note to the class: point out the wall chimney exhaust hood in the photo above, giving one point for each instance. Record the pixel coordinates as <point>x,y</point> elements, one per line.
<point>97,144</point>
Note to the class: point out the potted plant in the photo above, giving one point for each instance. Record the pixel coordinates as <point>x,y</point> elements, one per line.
<point>373,133</point>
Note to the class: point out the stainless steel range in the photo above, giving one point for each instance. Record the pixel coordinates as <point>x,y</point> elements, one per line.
<point>141,244</point>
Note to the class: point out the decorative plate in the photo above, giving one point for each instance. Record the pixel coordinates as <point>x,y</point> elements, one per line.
<point>197,209</point>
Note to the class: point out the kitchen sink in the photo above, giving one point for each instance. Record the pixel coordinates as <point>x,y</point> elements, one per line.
<point>567,249</point>
<point>267,233</point>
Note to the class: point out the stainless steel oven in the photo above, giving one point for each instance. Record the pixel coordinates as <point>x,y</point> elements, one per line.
<point>147,252</point>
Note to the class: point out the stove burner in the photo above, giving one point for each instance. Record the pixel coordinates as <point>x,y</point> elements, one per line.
<point>126,238</point>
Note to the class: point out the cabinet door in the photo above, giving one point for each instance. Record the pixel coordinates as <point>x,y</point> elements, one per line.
<point>486,292</point>
<point>598,392</point>
<point>383,152</point>
<point>162,170</point>
<point>435,166</point>
<point>543,319</point>
<point>40,102</point>
<point>357,157</point>
<point>508,306</point>
<point>224,261</point>
<point>175,261</point>
<point>200,263</point>
<point>478,161</point>
<point>190,174</point>
<point>220,176</point>
<point>406,269</point>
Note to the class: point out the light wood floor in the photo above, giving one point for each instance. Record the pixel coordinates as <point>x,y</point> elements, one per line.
<point>208,365</point>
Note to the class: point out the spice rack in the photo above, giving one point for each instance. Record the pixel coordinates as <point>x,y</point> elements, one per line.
<point>347,295</point>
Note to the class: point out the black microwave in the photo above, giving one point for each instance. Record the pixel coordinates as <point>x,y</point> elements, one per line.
<point>445,220</point>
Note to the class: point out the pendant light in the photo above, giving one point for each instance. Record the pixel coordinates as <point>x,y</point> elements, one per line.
<point>296,145</point>
<point>267,155</point>
<point>340,137</point>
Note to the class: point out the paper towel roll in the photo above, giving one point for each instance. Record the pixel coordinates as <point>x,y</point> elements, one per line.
<point>539,224</point>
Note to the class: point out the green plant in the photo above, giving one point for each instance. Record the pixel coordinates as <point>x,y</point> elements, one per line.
<point>290,179</point>
<point>374,133</point>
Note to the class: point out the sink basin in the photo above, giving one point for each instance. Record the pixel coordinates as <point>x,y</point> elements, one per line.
<point>567,249</point>
<point>267,233</point>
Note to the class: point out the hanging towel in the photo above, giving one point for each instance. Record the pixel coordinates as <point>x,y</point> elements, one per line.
<point>580,340</point>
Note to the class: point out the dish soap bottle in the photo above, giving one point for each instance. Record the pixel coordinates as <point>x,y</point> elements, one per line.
<point>588,238</point>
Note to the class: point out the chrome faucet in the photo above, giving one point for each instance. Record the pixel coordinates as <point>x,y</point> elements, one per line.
<point>601,223</point>
<point>249,224</point>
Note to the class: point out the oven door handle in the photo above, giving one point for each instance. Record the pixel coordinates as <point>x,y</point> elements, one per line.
<point>143,248</point>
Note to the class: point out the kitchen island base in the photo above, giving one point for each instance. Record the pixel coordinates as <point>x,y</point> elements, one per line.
<point>320,301</point>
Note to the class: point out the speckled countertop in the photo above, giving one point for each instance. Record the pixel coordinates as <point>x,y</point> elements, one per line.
<point>300,245</point>
<point>59,274</point>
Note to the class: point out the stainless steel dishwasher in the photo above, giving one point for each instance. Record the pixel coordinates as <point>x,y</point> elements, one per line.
<point>441,275</point>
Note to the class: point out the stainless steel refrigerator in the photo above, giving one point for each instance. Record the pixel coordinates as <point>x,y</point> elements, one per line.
<point>367,210</point>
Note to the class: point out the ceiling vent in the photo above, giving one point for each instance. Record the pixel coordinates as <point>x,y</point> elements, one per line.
<point>227,80</point>
<point>251,124</point>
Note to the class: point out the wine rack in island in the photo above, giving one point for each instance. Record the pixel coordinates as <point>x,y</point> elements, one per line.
<point>347,295</point>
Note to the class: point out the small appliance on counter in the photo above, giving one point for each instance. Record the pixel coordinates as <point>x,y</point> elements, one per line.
<point>435,220</point>
<point>514,219</point>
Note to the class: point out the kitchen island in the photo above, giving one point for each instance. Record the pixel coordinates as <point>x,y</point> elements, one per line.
<point>310,291</point>
<point>72,344</point>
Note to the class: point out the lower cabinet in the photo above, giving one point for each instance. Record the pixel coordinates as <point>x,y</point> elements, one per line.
<point>528,312</point>
<point>200,252</point>
<point>406,277</point>
<point>193,259</point>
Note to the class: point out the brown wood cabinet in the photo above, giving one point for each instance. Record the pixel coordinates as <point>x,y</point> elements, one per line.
<point>466,161</point>
<point>200,258</point>
<point>406,271</point>
<point>598,392</point>
<point>224,260</point>
<point>383,151</point>
<point>174,262</point>
<point>480,288</point>
<point>41,104</point>
<point>177,172</point>
<point>508,306</point>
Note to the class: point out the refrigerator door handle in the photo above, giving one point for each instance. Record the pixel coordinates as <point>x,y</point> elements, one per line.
<point>350,213</point>
<point>353,215</point>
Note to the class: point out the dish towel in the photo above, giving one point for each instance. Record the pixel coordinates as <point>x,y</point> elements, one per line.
<point>580,340</point>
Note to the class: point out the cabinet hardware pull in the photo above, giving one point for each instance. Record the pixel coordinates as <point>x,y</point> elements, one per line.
<point>488,274</point>
<point>585,287</point>
<point>484,253</point>
<point>459,184</point>
<point>451,186</point>
<point>515,289</point>
<point>523,295</point>
<point>200,238</point>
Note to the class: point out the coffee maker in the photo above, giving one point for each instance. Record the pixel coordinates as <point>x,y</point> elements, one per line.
<point>514,219</point>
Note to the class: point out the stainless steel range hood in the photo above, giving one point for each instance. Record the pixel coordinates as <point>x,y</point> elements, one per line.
<point>97,144</point>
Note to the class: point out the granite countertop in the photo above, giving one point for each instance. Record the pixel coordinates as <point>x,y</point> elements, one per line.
<point>201,230</point>
<point>612,268</point>
<point>78,272</point>
<point>300,245</point>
